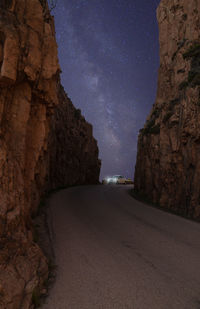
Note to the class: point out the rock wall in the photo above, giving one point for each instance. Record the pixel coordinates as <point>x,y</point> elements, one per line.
<point>168,166</point>
<point>76,149</point>
<point>44,143</point>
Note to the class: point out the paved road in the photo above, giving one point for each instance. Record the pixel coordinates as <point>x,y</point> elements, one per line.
<point>114,252</point>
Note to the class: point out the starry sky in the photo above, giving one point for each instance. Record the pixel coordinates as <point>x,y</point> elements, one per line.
<point>109,56</point>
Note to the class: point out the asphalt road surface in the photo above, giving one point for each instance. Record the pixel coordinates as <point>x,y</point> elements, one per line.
<point>114,252</point>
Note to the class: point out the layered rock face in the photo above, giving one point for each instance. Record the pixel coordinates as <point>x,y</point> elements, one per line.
<point>168,166</point>
<point>44,143</point>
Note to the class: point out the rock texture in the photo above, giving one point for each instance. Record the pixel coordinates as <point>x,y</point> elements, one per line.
<point>168,160</point>
<point>44,143</point>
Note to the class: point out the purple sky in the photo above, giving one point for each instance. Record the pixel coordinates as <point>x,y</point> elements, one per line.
<point>108,52</point>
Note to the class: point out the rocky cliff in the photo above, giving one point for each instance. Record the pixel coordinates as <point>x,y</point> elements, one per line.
<point>168,167</point>
<point>44,143</point>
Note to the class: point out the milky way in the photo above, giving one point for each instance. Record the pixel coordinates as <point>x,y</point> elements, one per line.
<point>108,52</point>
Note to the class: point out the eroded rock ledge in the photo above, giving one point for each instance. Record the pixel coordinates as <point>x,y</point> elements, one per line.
<point>168,165</point>
<point>44,142</point>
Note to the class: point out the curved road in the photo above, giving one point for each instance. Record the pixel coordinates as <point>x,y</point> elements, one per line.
<point>114,252</point>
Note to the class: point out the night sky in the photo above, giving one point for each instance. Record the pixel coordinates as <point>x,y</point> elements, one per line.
<point>109,56</point>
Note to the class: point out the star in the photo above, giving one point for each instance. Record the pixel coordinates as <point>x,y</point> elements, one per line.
<point>109,55</point>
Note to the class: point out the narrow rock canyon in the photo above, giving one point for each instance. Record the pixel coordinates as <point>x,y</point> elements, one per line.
<point>168,167</point>
<point>45,143</point>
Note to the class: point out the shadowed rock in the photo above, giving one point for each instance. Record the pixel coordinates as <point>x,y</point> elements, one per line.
<point>44,143</point>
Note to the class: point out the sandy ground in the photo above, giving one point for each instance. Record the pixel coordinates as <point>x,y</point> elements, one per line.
<point>113,252</point>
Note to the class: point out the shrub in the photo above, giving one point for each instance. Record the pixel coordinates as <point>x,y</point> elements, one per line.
<point>167,116</point>
<point>191,76</point>
<point>180,45</point>
<point>151,128</point>
<point>183,85</point>
<point>174,55</point>
<point>184,16</point>
<point>172,103</point>
<point>150,123</point>
<point>193,51</point>
<point>155,129</point>
<point>156,112</point>
<point>194,78</point>
<point>77,113</point>
<point>52,4</point>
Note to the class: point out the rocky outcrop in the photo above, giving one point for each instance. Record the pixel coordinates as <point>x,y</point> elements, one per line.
<point>44,143</point>
<point>168,166</point>
<point>76,150</point>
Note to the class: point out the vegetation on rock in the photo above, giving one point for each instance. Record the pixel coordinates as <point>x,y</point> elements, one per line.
<point>151,128</point>
<point>192,54</point>
<point>167,168</point>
